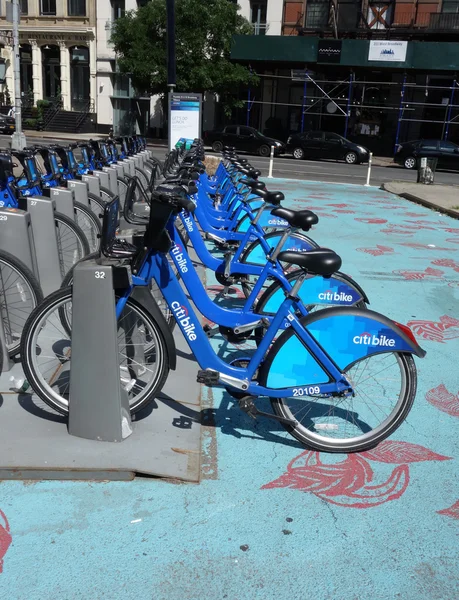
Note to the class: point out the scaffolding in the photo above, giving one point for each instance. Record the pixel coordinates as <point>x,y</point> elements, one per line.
<point>401,110</point>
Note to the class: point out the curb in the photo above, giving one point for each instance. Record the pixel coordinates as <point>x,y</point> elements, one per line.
<point>451,212</point>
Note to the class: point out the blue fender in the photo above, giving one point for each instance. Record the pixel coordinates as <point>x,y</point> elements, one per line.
<point>346,335</point>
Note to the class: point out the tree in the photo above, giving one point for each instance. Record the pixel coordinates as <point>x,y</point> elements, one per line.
<point>204,30</point>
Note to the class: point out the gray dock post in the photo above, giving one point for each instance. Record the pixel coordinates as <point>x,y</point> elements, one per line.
<point>41,211</point>
<point>7,363</point>
<point>80,191</point>
<point>112,178</point>
<point>64,198</point>
<point>16,236</point>
<point>98,404</point>
<point>93,184</point>
<point>103,178</point>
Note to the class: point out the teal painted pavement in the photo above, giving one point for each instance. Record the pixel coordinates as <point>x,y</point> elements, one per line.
<point>271,520</point>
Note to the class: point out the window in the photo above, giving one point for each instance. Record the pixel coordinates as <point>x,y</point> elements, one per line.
<point>448,147</point>
<point>245,131</point>
<point>24,7</point>
<point>77,8</point>
<point>317,13</point>
<point>333,138</point>
<point>118,9</point>
<point>450,6</point>
<point>231,129</point>
<point>315,135</point>
<point>258,16</point>
<point>429,145</point>
<point>47,7</point>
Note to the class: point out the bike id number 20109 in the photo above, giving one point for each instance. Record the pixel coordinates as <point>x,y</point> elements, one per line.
<point>306,391</point>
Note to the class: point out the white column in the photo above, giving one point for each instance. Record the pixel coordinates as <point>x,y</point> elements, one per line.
<point>37,77</point>
<point>93,72</point>
<point>9,75</point>
<point>65,75</point>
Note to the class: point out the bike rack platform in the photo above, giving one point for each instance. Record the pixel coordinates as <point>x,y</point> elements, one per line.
<point>166,441</point>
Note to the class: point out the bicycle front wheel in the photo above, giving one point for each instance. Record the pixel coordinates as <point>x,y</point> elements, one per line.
<point>384,389</point>
<point>20,293</point>
<point>89,224</point>
<point>71,241</point>
<point>46,352</point>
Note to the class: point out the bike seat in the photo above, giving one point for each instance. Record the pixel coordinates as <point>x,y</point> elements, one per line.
<point>274,198</point>
<point>303,219</point>
<point>252,184</point>
<point>320,261</point>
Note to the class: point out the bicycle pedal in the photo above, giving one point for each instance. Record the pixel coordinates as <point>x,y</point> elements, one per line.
<point>208,377</point>
<point>247,405</point>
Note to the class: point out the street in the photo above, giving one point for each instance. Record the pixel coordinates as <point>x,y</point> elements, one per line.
<point>286,167</point>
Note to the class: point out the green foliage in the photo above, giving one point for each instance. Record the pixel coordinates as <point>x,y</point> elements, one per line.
<point>204,31</point>
<point>31,123</point>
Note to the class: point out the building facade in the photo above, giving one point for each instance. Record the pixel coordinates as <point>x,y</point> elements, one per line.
<point>377,71</point>
<point>119,108</point>
<point>57,52</point>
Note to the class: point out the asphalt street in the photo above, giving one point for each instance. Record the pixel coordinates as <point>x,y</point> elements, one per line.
<point>328,171</point>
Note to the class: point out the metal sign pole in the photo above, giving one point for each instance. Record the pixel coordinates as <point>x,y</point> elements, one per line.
<point>18,139</point>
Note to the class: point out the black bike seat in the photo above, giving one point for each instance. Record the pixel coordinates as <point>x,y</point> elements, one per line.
<point>274,198</point>
<point>303,219</point>
<point>253,184</point>
<point>320,261</point>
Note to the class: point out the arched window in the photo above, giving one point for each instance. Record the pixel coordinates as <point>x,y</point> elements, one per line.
<point>51,60</point>
<point>79,77</point>
<point>25,58</point>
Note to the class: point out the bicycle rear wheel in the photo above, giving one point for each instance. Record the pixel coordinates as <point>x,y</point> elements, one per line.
<point>20,293</point>
<point>46,353</point>
<point>384,387</point>
<point>72,242</point>
<point>96,205</point>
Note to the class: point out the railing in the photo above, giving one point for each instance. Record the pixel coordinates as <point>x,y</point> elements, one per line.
<point>445,21</point>
<point>260,28</point>
<point>88,109</point>
<point>51,112</point>
<point>410,19</point>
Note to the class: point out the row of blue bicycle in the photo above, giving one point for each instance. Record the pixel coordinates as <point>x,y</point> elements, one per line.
<point>339,377</point>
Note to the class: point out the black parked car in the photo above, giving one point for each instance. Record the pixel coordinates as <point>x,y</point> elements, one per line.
<point>409,153</point>
<point>321,144</point>
<point>7,124</point>
<point>246,139</point>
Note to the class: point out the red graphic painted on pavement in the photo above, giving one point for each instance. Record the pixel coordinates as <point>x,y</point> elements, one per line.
<point>371,220</point>
<point>451,229</point>
<point>446,329</point>
<point>345,211</point>
<point>429,273</point>
<point>378,251</point>
<point>447,262</point>
<point>350,483</point>
<point>342,205</point>
<point>5,538</point>
<point>452,511</point>
<point>452,240</point>
<point>444,400</point>
<point>395,231</point>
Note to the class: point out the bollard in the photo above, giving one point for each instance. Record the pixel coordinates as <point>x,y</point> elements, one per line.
<point>369,170</point>
<point>271,160</point>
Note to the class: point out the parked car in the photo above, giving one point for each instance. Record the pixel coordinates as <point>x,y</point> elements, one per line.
<point>7,124</point>
<point>322,144</point>
<point>246,139</point>
<point>409,153</point>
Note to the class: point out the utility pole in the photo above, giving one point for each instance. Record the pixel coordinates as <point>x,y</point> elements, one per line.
<point>171,77</point>
<point>18,139</point>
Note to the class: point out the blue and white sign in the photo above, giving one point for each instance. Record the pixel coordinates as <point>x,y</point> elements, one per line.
<point>387,51</point>
<point>184,117</point>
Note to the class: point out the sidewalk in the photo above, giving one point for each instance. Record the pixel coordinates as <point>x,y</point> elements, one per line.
<point>444,198</point>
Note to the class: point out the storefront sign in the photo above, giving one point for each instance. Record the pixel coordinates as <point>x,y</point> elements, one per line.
<point>329,51</point>
<point>184,117</point>
<point>387,51</point>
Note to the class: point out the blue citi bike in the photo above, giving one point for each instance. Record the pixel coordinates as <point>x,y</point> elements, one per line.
<point>339,380</point>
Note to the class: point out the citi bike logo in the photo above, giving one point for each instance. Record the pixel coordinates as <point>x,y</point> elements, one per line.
<point>335,296</point>
<point>277,222</point>
<point>188,222</point>
<point>181,260</point>
<point>366,339</point>
<point>181,314</point>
